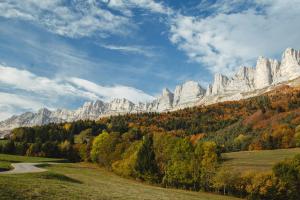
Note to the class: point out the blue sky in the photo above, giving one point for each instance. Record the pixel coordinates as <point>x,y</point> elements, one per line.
<point>60,53</point>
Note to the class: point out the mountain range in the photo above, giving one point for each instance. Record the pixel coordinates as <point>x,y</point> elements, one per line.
<point>246,82</point>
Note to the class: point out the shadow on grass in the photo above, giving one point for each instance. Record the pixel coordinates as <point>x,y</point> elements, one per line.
<point>43,165</point>
<point>4,169</point>
<point>56,161</point>
<point>56,176</point>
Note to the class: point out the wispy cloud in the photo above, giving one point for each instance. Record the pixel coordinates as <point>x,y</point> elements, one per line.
<point>146,51</point>
<point>126,5</point>
<point>80,18</point>
<point>77,19</point>
<point>233,35</point>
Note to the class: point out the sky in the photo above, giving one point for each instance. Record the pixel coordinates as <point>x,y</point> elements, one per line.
<point>61,53</point>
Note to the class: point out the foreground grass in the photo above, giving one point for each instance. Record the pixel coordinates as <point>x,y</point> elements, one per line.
<point>257,160</point>
<point>87,181</point>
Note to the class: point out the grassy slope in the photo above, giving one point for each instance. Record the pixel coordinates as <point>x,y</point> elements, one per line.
<point>87,181</point>
<point>257,160</point>
<point>84,181</point>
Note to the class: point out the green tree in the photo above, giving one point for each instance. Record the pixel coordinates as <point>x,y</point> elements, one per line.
<point>50,149</point>
<point>288,173</point>
<point>9,147</point>
<point>208,164</point>
<point>34,149</point>
<point>65,149</point>
<point>297,139</point>
<point>146,166</point>
<point>103,149</point>
<point>21,148</point>
<point>179,169</point>
<point>126,166</point>
<point>98,145</point>
<point>84,136</point>
<point>242,142</point>
<point>262,186</point>
<point>225,180</point>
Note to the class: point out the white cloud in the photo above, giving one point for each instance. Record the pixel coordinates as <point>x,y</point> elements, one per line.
<point>29,92</point>
<point>25,80</point>
<point>11,104</point>
<point>229,38</point>
<point>109,93</point>
<point>8,99</point>
<point>80,18</point>
<point>151,5</point>
<point>146,51</point>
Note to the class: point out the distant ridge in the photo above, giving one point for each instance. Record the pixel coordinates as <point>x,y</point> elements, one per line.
<point>247,82</point>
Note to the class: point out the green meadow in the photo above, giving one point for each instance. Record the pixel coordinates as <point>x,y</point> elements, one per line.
<point>83,181</point>
<point>257,160</point>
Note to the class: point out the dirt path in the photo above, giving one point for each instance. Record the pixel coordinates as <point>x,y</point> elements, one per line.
<point>20,168</point>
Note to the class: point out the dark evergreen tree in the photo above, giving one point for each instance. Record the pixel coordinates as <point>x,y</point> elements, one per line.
<point>146,165</point>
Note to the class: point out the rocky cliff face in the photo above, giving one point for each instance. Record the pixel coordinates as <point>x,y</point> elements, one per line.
<point>247,82</point>
<point>187,94</point>
<point>289,68</point>
<point>220,84</point>
<point>243,80</point>
<point>164,102</point>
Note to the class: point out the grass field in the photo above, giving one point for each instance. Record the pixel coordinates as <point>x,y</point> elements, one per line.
<point>257,160</point>
<point>87,181</point>
<point>84,181</point>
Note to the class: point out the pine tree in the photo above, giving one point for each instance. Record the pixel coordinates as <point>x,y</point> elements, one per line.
<point>146,165</point>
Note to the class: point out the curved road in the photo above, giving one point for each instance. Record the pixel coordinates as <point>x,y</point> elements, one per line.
<point>19,168</point>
